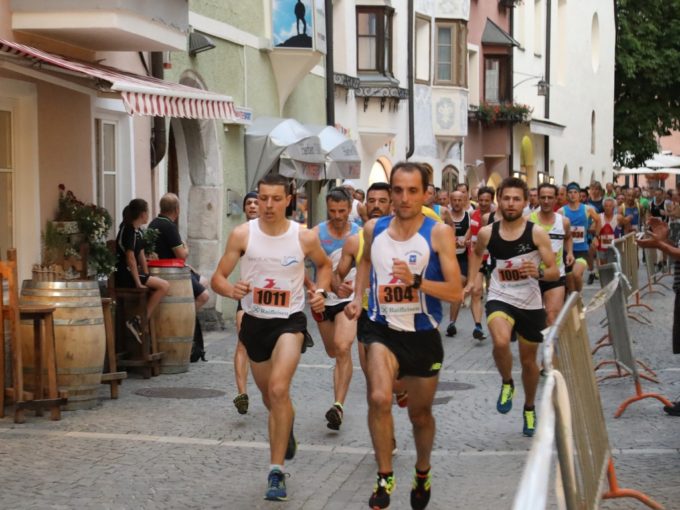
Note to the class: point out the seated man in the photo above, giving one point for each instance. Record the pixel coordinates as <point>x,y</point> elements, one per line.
<point>169,245</point>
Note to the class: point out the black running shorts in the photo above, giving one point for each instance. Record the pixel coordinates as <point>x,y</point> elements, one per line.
<point>463,264</point>
<point>333,310</point>
<point>546,286</point>
<point>259,336</point>
<point>526,323</point>
<point>418,353</point>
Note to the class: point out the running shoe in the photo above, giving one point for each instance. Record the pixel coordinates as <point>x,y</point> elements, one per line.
<point>402,399</point>
<point>382,489</point>
<point>673,410</point>
<point>478,333</point>
<point>241,403</point>
<point>420,491</point>
<point>276,486</point>
<point>291,449</point>
<point>591,278</point>
<point>529,423</point>
<point>451,329</point>
<point>334,416</point>
<point>135,327</point>
<point>504,403</point>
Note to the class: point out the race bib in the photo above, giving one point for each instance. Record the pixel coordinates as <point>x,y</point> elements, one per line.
<point>398,299</point>
<point>578,233</point>
<point>606,240</point>
<point>272,297</point>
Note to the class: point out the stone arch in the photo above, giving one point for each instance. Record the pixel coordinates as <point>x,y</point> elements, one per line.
<point>200,181</point>
<point>380,171</point>
<point>450,176</point>
<point>565,175</point>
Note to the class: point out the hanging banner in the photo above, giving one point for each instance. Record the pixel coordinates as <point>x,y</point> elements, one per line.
<point>299,24</point>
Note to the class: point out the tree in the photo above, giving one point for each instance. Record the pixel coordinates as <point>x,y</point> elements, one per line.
<point>647,79</point>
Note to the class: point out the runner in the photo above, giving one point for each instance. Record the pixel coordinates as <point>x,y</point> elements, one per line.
<point>241,401</point>
<point>378,204</point>
<point>337,331</point>
<point>272,250</point>
<point>412,265</point>
<point>514,302</point>
<point>461,221</point>
<point>611,229</point>
<point>440,210</point>
<point>561,197</point>
<point>533,204</point>
<point>559,231</point>
<point>484,200</point>
<point>578,215</point>
<point>633,214</point>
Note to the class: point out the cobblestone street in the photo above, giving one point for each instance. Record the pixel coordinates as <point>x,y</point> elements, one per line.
<point>142,452</point>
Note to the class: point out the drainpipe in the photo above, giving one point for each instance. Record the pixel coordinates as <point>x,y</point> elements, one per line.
<point>409,78</point>
<point>511,127</point>
<point>330,70</point>
<point>548,49</point>
<point>158,137</point>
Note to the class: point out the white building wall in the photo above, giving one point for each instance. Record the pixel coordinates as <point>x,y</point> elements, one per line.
<point>378,134</point>
<point>582,81</point>
<point>440,112</point>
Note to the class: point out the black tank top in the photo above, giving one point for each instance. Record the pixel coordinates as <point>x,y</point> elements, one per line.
<point>499,248</point>
<point>463,225</point>
<point>655,210</point>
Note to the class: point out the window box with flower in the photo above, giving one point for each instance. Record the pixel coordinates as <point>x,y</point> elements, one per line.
<point>493,113</point>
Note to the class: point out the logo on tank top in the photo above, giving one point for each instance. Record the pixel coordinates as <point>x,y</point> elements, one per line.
<point>289,261</point>
<point>412,258</point>
<point>524,248</point>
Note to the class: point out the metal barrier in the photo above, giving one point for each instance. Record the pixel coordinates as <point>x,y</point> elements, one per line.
<point>577,428</point>
<point>630,265</point>
<point>654,276</point>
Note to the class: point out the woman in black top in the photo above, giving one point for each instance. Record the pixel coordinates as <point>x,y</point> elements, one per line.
<point>131,267</point>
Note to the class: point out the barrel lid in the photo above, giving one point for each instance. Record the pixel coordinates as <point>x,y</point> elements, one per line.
<point>75,284</point>
<point>166,263</point>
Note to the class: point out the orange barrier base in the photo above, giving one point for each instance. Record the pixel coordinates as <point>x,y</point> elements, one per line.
<point>622,371</point>
<point>639,396</point>
<point>616,492</point>
<point>602,342</point>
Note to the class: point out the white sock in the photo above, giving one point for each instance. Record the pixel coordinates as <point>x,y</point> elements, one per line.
<point>276,466</point>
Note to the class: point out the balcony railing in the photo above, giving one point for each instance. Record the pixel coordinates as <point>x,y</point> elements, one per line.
<point>490,114</point>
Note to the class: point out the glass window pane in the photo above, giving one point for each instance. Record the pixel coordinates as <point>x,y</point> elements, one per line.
<point>366,23</point>
<point>444,36</point>
<point>6,216</point>
<point>444,72</point>
<point>367,53</point>
<point>110,198</point>
<point>5,139</point>
<point>109,146</point>
<point>492,80</point>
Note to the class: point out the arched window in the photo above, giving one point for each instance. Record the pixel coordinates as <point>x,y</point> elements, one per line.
<point>449,178</point>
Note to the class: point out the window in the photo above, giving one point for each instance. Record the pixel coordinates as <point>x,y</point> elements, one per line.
<point>107,175</point>
<point>451,54</point>
<point>538,27</point>
<point>473,75</point>
<point>6,182</point>
<point>374,39</point>
<point>423,49</point>
<point>496,79</point>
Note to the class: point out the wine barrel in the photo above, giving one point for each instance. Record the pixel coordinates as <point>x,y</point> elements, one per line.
<point>80,337</point>
<point>175,318</point>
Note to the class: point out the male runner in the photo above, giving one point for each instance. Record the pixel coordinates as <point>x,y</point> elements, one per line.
<point>633,214</point>
<point>463,188</point>
<point>461,222</point>
<point>440,210</point>
<point>561,197</point>
<point>485,197</point>
<point>272,250</point>
<point>579,215</point>
<point>514,302</point>
<point>412,265</point>
<point>241,400</point>
<point>443,198</point>
<point>533,204</point>
<point>559,231</point>
<point>611,228</point>
<point>337,331</point>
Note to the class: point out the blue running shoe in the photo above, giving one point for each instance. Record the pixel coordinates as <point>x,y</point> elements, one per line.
<point>478,333</point>
<point>504,403</point>
<point>529,423</point>
<point>276,486</point>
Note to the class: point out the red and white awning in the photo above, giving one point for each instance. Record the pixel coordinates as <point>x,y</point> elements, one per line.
<point>142,95</point>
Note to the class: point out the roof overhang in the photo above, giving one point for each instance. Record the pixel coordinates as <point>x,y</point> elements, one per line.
<point>493,34</point>
<point>546,127</point>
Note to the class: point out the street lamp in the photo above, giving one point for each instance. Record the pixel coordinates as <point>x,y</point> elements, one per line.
<point>542,85</point>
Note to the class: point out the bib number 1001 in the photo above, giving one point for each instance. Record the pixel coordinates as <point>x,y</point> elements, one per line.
<point>271,297</point>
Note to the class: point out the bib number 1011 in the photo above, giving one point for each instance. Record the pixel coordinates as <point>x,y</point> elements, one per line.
<point>271,297</point>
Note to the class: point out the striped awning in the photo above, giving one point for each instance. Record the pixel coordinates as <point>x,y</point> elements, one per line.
<point>142,95</point>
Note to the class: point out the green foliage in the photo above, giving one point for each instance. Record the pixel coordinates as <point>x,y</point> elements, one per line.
<point>647,87</point>
<point>150,235</point>
<point>491,113</point>
<point>54,244</point>
<point>101,260</point>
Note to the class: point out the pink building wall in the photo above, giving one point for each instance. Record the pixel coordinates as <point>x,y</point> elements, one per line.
<point>487,140</point>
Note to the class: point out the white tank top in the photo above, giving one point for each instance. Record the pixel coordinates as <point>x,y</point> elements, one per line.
<point>275,268</point>
<point>557,234</point>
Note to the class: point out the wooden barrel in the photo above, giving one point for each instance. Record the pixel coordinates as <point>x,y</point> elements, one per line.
<point>175,319</point>
<point>80,337</point>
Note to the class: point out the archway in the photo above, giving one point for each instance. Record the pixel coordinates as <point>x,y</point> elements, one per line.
<point>449,178</point>
<point>380,171</point>
<point>526,161</point>
<point>494,180</point>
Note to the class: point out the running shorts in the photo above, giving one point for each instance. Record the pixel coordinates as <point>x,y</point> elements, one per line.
<point>259,336</point>
<point>418,353</point>
<point>546,286</point>
<point>526,323</point>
